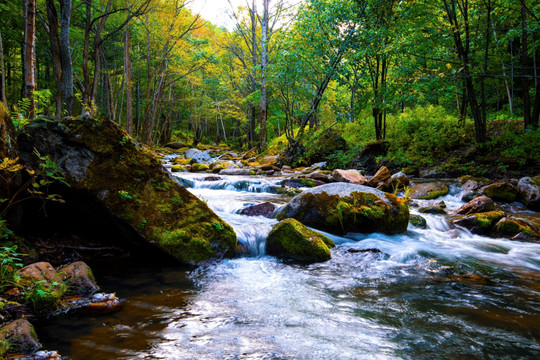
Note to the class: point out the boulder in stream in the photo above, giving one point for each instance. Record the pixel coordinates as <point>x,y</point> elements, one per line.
<point>265,209</point>
<point>349,176</point>
<point>477,205</point>
<point>509,227</point>
<point>428,191</point>
<point>501,191</point>
<point>289,239</point>
<point>123,188</point>
<point>480,223</point>
<point>530,192</point>
<point>340,208</point>
<point>21,337</point>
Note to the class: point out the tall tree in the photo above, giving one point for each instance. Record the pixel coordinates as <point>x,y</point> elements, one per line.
<point>65,55</point>
<point>3,74</point>
<point>129,82</point>
<point>29,52</point>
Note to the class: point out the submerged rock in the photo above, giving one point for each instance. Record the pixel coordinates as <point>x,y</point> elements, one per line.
<point>428,191</point>
<point>340,208</point>
<point>477,205</point>
<point>289,239</point>
<point>114,179</point>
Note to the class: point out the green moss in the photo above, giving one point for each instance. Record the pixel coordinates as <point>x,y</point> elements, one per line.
<point>191,249</point>
<point>488,219</point>
<point>418,221</point>
<point>512,227</point>
<point>308,182</point>
<point>199,167</point>
<point>436,194</point>
<point>501,192</point>
<point>292,240</point>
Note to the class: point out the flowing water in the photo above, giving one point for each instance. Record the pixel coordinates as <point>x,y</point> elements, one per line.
<point>438,293</point>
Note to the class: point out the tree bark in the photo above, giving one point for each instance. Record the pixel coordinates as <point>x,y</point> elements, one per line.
<point>29,54</point>
<point>2,75</point>
<point>65,54</point>
<point>129,83</point>
<point>52,17</point>
<point>264,64</point>
<point>524,69</point>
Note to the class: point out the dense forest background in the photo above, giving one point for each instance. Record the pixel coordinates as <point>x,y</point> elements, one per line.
<point>430,76</point>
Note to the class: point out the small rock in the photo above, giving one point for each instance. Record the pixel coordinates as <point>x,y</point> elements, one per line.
<point>477,205</point>
<point>199,167</point>
<point>428,191</point>
<point>319,176</point>
<point>380,176</point>
<point>211,178</point>
<point>175,145</point>
<point>470,196</point>
<point>289,239</point>
<point>178,168</point>
<point>418,221</point>
<point>265,209</point>
<point>237,172</point>
<point>398,181</point>
<point>348,176</point>
<point>40,271</point>
<point>356,251</point>
<point>436,210</point>
<point>21,336</point>
<point>270,160</point>
<point>78,276</point>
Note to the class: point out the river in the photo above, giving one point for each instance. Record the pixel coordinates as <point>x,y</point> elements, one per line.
<point>440,293</point>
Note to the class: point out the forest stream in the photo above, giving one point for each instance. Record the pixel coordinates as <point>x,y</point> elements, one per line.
<point>439,292</point>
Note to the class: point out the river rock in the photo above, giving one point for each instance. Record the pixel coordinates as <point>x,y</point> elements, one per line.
<point>289,239</point>
<point>512,227</point>
<point>179,160</point>
<point>249,155</point>
<point>435,210</point>
<point>79,278</point>
<point>265,209</point>
<point>178,168</point>
<point>530,192</point>
<point>418,221</point>
<point>480,223</point>
<point>237,172</point>
<point>319,176</point>
<point>340,208</point>
<point>125,186</point>
<point>40,271</point>
<point>175,145</point>
<point>270,160</point>
<point>501,191</point>
<point>197,156</point>
<point>428,191</point>
<point>380,176</point>
<point>349,176</point>
<point>21,337</point>
<point>477,205</point>
<point>197,167</point>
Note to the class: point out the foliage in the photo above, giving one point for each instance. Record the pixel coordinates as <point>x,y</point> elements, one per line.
<point>43,297</point>
<point>10,262</point>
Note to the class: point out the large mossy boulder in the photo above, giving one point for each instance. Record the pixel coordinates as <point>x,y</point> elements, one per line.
<point>480,223</point>
<point>289,239</point>
<point>501,191</point>
<point>113,177</point>
<point>20,336</point>
<point>340,208</point>
<point>512,227</point>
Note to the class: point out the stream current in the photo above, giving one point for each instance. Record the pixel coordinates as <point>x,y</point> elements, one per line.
<point>438,293</point>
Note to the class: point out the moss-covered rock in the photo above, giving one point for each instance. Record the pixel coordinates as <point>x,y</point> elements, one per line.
<point>340,208</point>
<point>178,168</point>
<point>418,221</point>
<point>428,191</point>
<point>481,223</point>
<point>289,239</point>
<point>501,191</point>
<point>511,227</point>
<point>477,205</point>
<point>101,162</point>
<point>21,337</point>
<point>435,210</point>
<point>199,167</point>
<point>79,278</point>
<point>179,160</point>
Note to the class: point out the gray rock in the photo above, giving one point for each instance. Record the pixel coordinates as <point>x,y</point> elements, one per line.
<point>530,191</point>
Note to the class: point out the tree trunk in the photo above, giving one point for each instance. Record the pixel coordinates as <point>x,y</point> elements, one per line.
<point>52,17</point>
<point>129,84</point>
<point>65,54</point>
<point>264,64</point>
<point>525,69</point>
<point>29,54</point>
<point>86,55</point>
<point>2,75</point>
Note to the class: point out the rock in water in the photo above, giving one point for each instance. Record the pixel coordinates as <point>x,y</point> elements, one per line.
<point>349,176</point>
<point>20,336</point>
<point>530,190</point>
<point>126,185</point>
<point>289,239</point>
<point>477,205</point>
<point>265,209</point>
<point>340,208</point>
<point>428,191</point>
<point>501,191</point>
<point>79,278</point>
